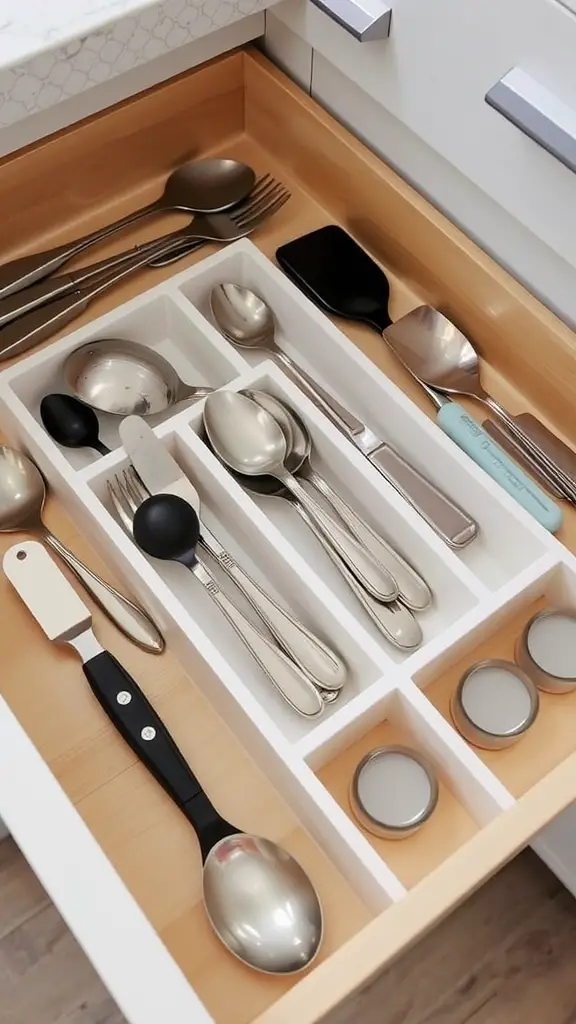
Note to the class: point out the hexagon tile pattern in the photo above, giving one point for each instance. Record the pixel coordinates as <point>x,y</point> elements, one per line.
<point>60,71</point>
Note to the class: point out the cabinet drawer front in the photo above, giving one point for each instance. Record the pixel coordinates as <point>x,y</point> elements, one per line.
<point>433,74</point>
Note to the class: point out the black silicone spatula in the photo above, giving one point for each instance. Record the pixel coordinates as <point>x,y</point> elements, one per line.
<point>338,276</point>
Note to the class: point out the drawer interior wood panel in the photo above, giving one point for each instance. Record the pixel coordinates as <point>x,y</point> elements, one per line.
<point>101,169</point>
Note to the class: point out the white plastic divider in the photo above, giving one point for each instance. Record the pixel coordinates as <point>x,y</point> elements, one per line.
<point>485,613</point>
<point>160,320</point>
<point>512,561</point>
<point>479,790</point>
<point>509,538</point>
<point>264,553</point>
<point>453,586</point>
<point>548,575</point>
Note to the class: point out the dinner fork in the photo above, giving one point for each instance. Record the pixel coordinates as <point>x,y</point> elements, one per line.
<point>296,687</point>
<point>266,197</point>
<point>33,327</point>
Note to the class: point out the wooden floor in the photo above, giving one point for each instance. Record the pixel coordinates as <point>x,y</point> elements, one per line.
<point>507,957</point>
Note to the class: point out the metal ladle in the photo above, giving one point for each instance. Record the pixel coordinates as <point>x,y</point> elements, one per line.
<point>439,355</point>
<point>22,495</point>
<point>248,440</point>
<point>414,592</point>
<point>121,377</point>
<point>201,186</point>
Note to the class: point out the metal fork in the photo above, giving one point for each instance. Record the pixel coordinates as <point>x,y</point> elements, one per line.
<point>267,196</point>
<point>41,323</point>
<point>293,684</point>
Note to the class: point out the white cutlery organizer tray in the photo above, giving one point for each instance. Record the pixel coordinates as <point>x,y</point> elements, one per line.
<point>511,567</point>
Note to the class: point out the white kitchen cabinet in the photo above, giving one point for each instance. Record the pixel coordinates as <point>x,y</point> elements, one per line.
<point>432,75</point>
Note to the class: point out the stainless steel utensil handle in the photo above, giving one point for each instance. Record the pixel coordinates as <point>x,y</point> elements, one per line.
<point>525,460</point>
<point>393,620</point>
<point>41,323</point>
<point>310,653</point>
<point>444,516</point>
<point>296,688</point>
<point>20,303</point>
<point>556,473</point>
<point>323,399</point>
<point>369,573</point>
<point>130,619</point>
<point>414,592</point>
<point>26,270</point>
<point>447,519</point>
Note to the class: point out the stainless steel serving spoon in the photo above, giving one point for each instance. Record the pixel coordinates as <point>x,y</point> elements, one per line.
<point>201,186</point>
<point>22,496</point>
<point>440,356</point>
<point>121,377</point>
<point>249,440</point>
<point>414,592</point>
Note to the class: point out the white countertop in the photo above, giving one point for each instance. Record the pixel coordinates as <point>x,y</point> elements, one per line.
<point>29,27</point>
<point>53,50</point>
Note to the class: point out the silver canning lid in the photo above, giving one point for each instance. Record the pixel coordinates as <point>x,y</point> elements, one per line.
<point>495,700</point>
<point>394,791</point>
<point>550,642</point>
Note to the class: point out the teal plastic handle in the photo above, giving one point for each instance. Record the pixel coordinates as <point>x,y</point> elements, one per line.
<point>472,439</point>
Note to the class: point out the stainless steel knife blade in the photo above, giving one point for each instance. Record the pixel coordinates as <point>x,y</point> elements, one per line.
<point>157,469</point>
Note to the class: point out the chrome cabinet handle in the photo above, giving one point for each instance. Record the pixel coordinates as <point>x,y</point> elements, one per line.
<point>358,17</point>
<point>537,112</point>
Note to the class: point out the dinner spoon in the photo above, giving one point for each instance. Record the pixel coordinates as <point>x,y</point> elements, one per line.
<point>248,439</point>
<point>414,592</point>
<point>71,423</point>
<point>22,496</point>
<point>122,377</point>
<point>201,186</point>
<point>393,620</point>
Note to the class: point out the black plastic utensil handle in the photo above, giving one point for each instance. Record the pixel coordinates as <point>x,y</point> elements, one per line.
<point>138,723</point>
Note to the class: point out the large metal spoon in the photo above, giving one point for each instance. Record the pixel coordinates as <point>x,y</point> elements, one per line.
<point>439,355</point>
<point>414,592</point>
<point>249,440</point>
<point>122,377</point>
<point>202,186</point>
<point>22,495</point>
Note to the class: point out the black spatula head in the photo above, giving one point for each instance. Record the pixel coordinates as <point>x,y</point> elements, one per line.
<point>338,276</point>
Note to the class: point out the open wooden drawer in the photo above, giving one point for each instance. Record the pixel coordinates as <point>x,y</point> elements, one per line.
<point>117,858</point>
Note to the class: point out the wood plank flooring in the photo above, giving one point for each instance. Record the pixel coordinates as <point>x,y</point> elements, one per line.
<point>506,957</point>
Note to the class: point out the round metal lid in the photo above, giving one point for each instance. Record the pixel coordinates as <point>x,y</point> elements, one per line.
<point>395,789</point>
<point>551,643</point>
<point>496,697</point>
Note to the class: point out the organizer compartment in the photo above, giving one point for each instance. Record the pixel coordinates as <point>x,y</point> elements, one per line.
<point>552,738</point>
<point>160,320</point>
<point>460,812</point>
